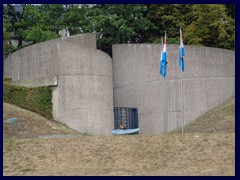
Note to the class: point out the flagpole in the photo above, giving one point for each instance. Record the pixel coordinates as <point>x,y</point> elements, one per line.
<point>181,63</point>
<point>164,81</point>
<point>163,72</point>
<point>164,106</point>
<point>168,104</point>
<point>182,107</point>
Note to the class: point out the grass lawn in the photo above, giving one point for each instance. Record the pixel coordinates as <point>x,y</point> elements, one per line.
<point>206,148</point>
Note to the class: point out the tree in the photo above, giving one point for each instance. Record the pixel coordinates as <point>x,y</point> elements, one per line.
<point>168,17</point>
<point>13,14</point>
<point>39,28</point>
<point>230,8</point>
<point>40,33</point>
<point>6,40</point>
<point>33,23</point>
<point>117,24</point>
<point>73,18</point>
<point>52,15</point>
<point>210,26</point>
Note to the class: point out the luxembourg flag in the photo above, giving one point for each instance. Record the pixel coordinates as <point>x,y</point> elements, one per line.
<point>163,60</point>
<point>181,52</point>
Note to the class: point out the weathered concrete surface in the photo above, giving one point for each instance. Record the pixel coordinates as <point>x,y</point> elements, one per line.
<point>85,90</point>
<point>7,67</point>
<point>209,79</point>
<point>82,83</point>
<point>46,81</point>
<point>83,97</point>
<point>42,59</point>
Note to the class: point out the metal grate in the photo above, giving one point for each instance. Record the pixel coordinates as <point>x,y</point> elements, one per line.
<point>125,118</point>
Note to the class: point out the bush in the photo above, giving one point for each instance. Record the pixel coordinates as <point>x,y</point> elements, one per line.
<point>38,99</point>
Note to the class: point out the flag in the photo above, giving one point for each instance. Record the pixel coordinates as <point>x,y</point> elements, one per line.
<point>181,52</point>
<point>163,60</point>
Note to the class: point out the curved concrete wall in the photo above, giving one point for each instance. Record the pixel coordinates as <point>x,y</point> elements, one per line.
<point>41,60</point>
<point>83,87</point>
<point>85,92</point>
<point>81,77</point>
<point>7,67</point>
<point>209,80</point>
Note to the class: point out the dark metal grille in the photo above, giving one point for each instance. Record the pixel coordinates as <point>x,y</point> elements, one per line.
<point>125,118</point>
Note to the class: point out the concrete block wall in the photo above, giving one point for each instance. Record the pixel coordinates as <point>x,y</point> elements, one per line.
<point>209,80</point>
<point>83,94</point>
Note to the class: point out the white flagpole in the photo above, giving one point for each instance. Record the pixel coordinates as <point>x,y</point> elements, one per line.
<point>165,100</point>
<point>182,105</point>
<point>165,104</point>
<point>166,107</point>
<point>166,93</point>
<point>168,103</point>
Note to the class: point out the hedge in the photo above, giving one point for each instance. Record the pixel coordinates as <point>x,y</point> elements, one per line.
<point>37,99</point>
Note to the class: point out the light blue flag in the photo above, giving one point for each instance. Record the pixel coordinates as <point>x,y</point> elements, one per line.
<point>163,60</point>
<point>181,52</point>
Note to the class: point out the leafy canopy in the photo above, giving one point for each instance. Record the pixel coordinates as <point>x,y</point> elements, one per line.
<point>209,25</point>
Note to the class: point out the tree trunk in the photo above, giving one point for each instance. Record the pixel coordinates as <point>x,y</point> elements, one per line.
<point>20,40</point>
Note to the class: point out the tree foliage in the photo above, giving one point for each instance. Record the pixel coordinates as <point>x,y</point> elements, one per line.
<point>40,33</point>
<point>208,25</point>
<point>42,26</point>
<point>74,18</point>
<point>14,21</point>
<point>168,18</point>
<point>118,24</point>
<point>6,41</point>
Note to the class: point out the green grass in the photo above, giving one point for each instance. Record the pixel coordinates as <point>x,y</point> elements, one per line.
<point>219,119</point>
<point>26,169</point>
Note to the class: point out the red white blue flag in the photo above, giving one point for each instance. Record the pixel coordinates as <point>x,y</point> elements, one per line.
<point>181,52</point>
<point>163,60</point>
